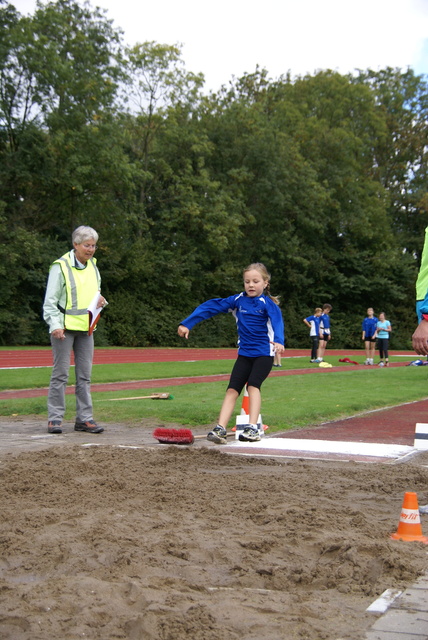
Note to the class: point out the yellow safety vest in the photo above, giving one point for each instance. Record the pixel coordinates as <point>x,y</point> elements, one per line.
<point>422,280</point>
<point>81,287</point>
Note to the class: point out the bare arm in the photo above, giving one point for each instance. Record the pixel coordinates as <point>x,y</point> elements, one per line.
<point>420,339</point>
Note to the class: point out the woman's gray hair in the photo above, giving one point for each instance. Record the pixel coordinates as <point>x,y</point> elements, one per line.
<point>82,233</point>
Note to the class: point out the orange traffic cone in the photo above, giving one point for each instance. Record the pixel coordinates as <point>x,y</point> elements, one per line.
<point>245,408</point>
<point>243,418</point>
<point>409,527</point>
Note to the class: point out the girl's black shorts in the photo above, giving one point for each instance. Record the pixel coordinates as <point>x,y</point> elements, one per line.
<point>251,371</point>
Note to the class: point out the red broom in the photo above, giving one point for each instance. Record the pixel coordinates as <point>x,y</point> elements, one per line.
<point>173,436</point>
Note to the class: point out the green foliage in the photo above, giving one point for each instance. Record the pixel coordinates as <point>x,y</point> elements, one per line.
<point>324,178</point>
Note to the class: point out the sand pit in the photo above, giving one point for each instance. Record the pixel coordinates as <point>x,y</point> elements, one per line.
<point>174,543</point>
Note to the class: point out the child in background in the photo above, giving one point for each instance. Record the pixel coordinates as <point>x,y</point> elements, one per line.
<point>325,333</point>
<point>313,322</point>
<point>382,334</point>
<point>277,360</point>
<point>369,325</point>
<point>260,335</point>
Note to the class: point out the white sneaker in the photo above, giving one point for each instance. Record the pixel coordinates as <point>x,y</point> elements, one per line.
<point>218,435</point>
<point>249,434</point>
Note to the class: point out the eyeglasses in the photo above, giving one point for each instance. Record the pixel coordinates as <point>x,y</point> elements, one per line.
<point>89,246</point>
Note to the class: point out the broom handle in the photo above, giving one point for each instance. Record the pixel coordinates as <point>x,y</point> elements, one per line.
<point>230,433</point>
<point>154,397</point>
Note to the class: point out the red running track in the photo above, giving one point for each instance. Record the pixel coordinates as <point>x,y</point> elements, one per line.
<point>12,358</point>
<point>43,357</point>
<point>394,425</point>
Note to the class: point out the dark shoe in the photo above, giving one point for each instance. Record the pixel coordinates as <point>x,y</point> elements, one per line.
<point>54,426</point>
<point>218,435</point>
<point>90,426</point>
<point>249,434</point>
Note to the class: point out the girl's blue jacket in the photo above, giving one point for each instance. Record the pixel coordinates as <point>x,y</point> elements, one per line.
<point>258,320</point>
<point>369,325</point>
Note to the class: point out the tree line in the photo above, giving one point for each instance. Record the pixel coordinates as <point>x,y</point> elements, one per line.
<point>321,177</point>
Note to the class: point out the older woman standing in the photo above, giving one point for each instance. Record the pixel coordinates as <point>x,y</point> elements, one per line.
<point>73,283</point>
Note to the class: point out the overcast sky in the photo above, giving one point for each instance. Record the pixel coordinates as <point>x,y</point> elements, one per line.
<point>230,37</point>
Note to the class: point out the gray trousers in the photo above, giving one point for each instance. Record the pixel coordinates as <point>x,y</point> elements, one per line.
<point>83,347</point>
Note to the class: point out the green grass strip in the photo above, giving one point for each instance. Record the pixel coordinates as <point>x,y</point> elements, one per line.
<point>101,373</point>
<point>288,401</point>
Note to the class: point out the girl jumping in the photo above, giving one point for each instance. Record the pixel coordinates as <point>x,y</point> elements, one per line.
<point>260,335</point>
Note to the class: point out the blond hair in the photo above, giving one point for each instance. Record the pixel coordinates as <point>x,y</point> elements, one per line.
<point>260,267</point>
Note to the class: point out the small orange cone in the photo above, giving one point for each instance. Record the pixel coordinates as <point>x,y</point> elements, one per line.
<point>409,527</point>
<point>244,417</point>
<point>245,408</point>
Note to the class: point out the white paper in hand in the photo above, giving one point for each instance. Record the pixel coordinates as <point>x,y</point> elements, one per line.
<point>94,312</point>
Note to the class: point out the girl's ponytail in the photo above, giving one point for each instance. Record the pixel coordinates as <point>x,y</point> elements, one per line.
<point>275,299</point>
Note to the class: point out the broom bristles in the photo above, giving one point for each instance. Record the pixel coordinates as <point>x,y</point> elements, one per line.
<point>173,436</point>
